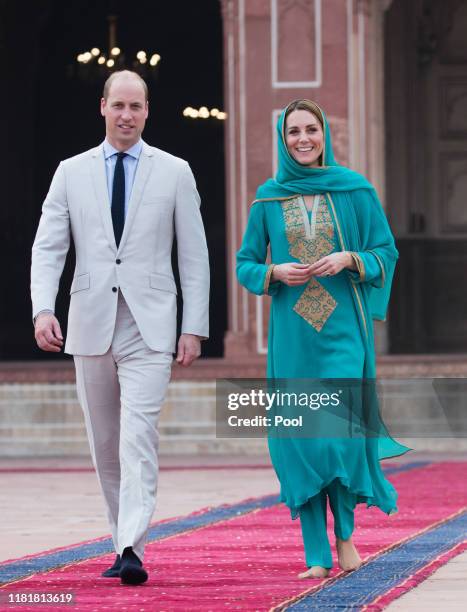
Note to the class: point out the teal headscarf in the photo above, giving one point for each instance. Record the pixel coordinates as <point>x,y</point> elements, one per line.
<point>293,178</point>
<point>356,207</point>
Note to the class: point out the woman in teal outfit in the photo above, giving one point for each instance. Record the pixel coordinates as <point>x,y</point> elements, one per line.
<point>333,258</point>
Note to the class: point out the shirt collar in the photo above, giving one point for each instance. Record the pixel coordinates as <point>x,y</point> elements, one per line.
<point>134,151</point>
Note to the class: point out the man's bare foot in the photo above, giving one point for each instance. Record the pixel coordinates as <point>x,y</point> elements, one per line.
<point>315,572</point>
<point>347,554</point>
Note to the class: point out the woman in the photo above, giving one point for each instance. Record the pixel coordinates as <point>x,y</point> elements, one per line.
<point>333,257</point>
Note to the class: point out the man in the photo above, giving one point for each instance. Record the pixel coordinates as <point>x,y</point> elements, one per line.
<point>123,202</point>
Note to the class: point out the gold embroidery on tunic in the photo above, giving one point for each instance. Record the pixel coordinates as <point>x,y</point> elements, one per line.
<point>315,304</point>
<point>267,278</point>
<point>383,273</point>
<point>360,266</point>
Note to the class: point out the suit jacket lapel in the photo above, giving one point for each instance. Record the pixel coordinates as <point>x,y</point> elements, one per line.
<point>143,171</point>
<point>99,178</point>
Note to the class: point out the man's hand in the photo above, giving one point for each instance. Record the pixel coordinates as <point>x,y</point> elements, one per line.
<point>189,349</point>
<point>48,333</point>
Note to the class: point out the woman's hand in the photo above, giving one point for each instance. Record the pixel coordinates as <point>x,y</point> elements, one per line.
<point>291,273</point>
<point>332,264</point>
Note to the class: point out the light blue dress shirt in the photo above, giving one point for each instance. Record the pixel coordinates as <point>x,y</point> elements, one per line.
<point>130,163</point>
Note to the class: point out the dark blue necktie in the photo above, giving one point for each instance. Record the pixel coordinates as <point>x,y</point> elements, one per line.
<point>118,198</point>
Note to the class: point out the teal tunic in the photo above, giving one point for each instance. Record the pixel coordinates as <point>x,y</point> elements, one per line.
<point>315,332</point>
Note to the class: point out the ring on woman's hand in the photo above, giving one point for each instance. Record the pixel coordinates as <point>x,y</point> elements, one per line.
<point>327,274</point>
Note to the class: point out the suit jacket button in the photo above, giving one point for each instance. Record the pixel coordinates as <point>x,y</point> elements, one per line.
<point>114,289</point>
<point>118,261</point>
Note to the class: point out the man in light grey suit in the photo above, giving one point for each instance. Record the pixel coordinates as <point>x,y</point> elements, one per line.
<point>123,202</point>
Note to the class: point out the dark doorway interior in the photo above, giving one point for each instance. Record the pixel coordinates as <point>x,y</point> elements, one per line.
<point>51,116</point>
<point>426,135</point>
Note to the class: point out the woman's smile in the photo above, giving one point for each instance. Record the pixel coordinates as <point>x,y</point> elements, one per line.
<point>304,137</point>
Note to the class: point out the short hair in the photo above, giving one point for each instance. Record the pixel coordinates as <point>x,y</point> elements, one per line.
<point>128,74</point>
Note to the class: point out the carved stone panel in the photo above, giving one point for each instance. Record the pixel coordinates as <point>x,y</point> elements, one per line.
<point>257,8</point>
<point>452,208</point>
<point>340,139</point>
<point>453,25</point>
<point>454,108</point>
<point>295,41</point>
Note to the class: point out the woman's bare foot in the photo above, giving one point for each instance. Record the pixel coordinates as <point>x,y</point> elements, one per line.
<point>347,554</point>
<point>315,572</point>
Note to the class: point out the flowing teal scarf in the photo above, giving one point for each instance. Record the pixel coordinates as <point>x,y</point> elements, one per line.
<point>358,212</point>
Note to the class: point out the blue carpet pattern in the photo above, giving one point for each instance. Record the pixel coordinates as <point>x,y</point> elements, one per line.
<point>16,570</point>
<point>377,577</point>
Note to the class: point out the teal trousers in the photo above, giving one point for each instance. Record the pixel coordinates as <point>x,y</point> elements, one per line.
<point>313,520</point>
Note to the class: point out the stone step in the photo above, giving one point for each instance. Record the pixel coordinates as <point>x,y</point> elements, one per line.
<point>45,419</point>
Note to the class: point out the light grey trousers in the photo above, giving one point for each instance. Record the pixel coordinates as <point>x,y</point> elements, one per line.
<point>121,394</point>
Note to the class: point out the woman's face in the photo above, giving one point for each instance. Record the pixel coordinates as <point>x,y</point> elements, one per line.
<point>304,137</point>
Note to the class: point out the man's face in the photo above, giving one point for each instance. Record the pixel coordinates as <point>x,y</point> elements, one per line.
<point>125,112</point>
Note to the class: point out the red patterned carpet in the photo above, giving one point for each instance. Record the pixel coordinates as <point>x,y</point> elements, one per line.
<point>250,561</point>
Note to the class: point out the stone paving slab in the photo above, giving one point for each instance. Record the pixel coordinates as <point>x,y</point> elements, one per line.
<point>444,591</point>
<point>46,510</point>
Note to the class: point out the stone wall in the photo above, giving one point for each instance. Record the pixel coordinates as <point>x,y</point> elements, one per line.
<point>44,419</point>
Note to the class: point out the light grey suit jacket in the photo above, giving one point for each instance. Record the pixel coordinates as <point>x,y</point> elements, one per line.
<point>164,202</point>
